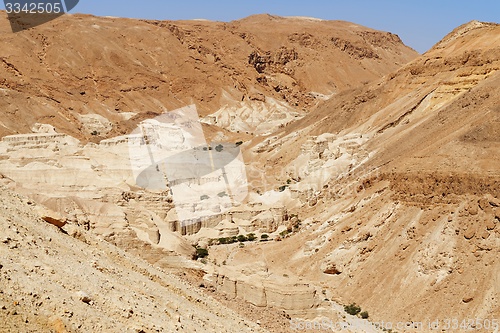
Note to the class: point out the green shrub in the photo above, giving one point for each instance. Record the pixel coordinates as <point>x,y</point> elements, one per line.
<point>200,253</point>
<point>251,237</point>
<point>352,309</point>
<point>204,197</point>
<point>264,236</point>
<point>364,314</point>
<point>219,148</point>
<point>282,188</point>
<point>242,238</point>
<point>239,143</point>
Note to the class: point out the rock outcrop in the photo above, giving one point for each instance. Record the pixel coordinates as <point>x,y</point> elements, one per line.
<point>54,282</point>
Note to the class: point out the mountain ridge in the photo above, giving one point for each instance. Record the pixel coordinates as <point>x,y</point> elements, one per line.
<point>120,69</point>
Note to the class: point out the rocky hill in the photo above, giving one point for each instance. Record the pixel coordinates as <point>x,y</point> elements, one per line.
<point>95,77</point>
<point>397,183</point>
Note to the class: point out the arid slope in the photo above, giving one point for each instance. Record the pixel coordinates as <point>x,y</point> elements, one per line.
<point>85,74</point>
<point>400,187</point>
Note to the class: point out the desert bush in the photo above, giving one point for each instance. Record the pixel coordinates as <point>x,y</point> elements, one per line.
<point>251,237</point>
<point>200,253</point>
<point>242,238</point>
<point>264,236</point>
<point>364,314</point>
<point>352,309</point>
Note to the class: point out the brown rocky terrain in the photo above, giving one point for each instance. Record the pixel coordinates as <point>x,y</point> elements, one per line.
<point>376,180</point>
<point>400,189</point>
<point>85,74</point>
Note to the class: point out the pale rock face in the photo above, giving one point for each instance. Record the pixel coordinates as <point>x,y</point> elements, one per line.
<point>95,124</point>
<point>254,287</point>
<point>43,128</point>
<point>84,184</point>
<point>255,117</point>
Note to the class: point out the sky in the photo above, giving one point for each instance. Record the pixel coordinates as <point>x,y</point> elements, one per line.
<point>419,23</point>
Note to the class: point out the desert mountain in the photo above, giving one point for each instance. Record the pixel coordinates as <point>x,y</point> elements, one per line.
<point>93,75</point>
<point>399,184</point>
<point>372,179</point>
<point>425,116</point>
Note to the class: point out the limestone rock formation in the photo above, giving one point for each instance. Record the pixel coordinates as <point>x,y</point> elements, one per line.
<point>54,282</point>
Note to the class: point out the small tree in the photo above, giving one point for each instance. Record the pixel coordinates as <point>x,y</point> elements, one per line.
<point>264,237</point>
<point>251,237</point>
<point>242,238</point>
<point>364,314</point>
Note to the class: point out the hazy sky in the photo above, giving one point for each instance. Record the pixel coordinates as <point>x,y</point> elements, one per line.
<point>420,23</point>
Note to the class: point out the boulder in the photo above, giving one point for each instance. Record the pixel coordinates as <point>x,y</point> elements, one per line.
<point>51,217</point>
